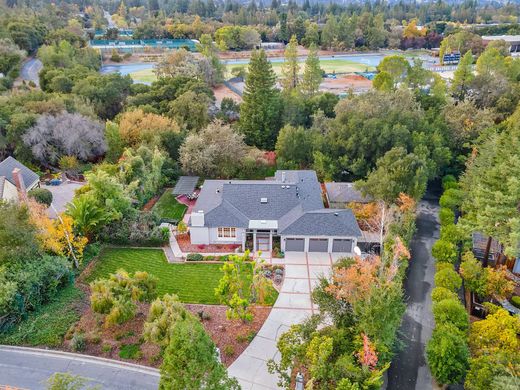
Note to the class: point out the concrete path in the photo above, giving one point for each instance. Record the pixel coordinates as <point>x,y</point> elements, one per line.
<point>409,370</point>
<point>293,305</point>
<point>29,368</point>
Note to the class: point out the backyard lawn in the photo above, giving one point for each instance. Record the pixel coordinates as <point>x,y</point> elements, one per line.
<point>167,206</point>
<point>193,283</point>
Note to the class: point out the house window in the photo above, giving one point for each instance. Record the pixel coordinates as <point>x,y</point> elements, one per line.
<point>227,232</point>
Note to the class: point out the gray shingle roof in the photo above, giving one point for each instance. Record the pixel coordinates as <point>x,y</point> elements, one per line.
<point>9,164</point>
<point>185,185</point>
<point>345,193</point>
<point>286,199</point>
<point>324,222</point>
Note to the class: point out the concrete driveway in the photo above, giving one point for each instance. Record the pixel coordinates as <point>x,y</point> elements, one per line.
<point>61,196</point>
<point>293,306</point>
<point>29,368</point>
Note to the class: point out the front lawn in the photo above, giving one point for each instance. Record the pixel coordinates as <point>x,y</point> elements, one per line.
<point>167,207</point>
<point>193,283</point>
<point>47,325</point>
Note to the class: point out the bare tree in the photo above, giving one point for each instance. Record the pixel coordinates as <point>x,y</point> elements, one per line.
<point>65,135</point>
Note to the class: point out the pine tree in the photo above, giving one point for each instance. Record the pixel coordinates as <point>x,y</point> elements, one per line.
<point>260,109</point>
<point>462,77</point>
<point>312,73</point>
<point>290,67</point>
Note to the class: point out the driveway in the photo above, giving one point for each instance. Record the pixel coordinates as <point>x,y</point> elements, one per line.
<point>293,306</point>
<point>29,368</point>
<point>30,70</point>
<point>409,370</point>
<point>61,196</point>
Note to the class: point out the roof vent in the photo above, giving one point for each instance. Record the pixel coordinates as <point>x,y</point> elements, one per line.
<point>218,190</point>
<point>263,200</point>
<point>336,214</point>
<point>283,177</point>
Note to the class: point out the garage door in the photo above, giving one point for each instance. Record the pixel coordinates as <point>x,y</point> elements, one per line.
<point>294,244</point>
<point>342,245</point>
<point>318,245</point>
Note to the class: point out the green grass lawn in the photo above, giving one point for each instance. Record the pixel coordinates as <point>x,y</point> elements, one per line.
<point>193,283</point>
<point>167,206</point>
<point>47,325</point>
<point>144,76</point>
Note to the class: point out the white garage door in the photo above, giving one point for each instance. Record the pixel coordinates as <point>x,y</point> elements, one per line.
<point>319,245</point>
<point>294,244</point>
<point>342,245</point>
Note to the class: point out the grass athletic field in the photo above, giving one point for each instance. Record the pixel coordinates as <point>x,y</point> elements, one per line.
<point>329,66</point>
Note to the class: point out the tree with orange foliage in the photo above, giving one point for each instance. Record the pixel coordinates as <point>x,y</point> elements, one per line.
<point>56,235</point>
<point>137,127</point>
<point>367,355</point>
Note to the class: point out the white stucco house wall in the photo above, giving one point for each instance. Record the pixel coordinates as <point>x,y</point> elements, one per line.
<point>16,179</point>
<point>289,209</point>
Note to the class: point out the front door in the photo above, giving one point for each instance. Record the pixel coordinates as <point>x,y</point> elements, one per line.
<point>262,242</point>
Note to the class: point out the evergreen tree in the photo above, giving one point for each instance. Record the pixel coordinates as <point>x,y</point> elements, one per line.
<point>290,67</point>
<point>462,77</point>
<point>260,109</point>
<point>284,32</point>
<point>312,73</point>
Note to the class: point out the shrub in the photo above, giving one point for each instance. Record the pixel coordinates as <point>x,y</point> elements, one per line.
<point>440,265</point>
<point>441,293</point>
<point>452,198</point>
<point>451,233</point>
<point>444,250</point>
<point>447,353</point>
<point>194,257</point>
<point>106,348</point>
<point>122,310</point>
<point>446,216</point>
<point>447,181</point>
<point>130,351</point>
<point>515,301</point>
<point>448,278</point>
<point>229,350</point>
<point>451,311</point>
<point>78,342</point>
<point>41,195</point>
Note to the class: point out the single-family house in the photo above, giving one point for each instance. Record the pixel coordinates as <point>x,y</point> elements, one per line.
<point>339,195</point>
<point>287,210</point>
<point>16,179</point>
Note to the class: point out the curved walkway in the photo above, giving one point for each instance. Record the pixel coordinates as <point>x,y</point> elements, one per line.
<point>293,305</point>
<point>29,368</point>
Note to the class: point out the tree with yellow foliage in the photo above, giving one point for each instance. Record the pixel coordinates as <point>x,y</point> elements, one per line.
<point>137,127</point>
<point>412,31</point>
<point>57,235</point>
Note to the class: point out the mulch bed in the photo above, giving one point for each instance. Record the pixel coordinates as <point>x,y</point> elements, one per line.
<point>149,205</point>
<point>187,247</point>
<point>231,336</point>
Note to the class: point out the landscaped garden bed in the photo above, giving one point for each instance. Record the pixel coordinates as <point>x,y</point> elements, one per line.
<point>187,247</point>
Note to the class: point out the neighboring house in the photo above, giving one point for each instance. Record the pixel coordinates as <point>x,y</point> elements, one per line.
<point>16,179</point>
<point>339,195</point>
<point>287,212</point>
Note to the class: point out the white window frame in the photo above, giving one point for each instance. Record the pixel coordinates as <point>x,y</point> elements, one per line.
<point>226,232</point>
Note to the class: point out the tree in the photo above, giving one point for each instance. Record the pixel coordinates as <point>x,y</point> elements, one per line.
<point>182,63</point>
<point>190,360</point>
<point>66,381</point>
<point>473,274</point>
<point>87,216</point>
<point>190,110</point>
<point>447,353</point>
<point>65,134</point>
<point>396,172</point>
<point>448,278</point>
<point>210,51</point>
<point>383,81</point>
<point>294,147</point>
<point>260,111</point>
<point>312,73</point>
<point>137,127</point>
<point>217,151</point>
<point>451,311</point>
<point>444,250</point>
<point>10,56</point>
<point>462,77</point>
<point>234,288</point>
<point>290,66</point>
<point>397,67</point>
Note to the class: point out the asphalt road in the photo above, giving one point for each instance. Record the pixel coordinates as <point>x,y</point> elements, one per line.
<point>409,370</point>
<point>30,70</point>
<point>29,368</point>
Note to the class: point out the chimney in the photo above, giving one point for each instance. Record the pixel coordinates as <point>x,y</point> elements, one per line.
<point>283,177</point>
<point>19,183</point>
<point>197,218</point>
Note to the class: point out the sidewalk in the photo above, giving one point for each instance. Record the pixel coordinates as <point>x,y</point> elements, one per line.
<point>293,306</point>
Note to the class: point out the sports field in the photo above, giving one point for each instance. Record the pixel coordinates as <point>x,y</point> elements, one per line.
<point>329,66</point>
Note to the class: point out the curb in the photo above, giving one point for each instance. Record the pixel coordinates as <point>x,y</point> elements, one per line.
<point>84,358</point>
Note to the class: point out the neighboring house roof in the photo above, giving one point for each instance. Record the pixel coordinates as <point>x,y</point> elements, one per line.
<point>185,185</point>
<point>7,166</point>
<point>290,201</point>
<point>345,193</point>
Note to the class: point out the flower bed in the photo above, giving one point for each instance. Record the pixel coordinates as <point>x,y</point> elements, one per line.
<point>187,247</point>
